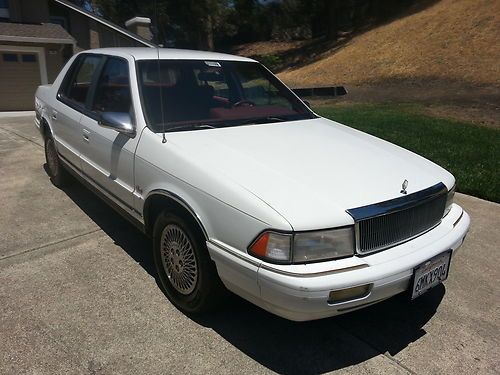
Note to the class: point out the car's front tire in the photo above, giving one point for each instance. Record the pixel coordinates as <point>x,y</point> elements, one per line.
<point>187,274</point>
<point>56,171</point>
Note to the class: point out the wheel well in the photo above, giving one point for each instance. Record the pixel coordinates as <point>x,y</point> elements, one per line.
<point>157,203</point>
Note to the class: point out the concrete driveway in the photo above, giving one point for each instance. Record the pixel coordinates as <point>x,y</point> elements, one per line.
<point>78,295</point>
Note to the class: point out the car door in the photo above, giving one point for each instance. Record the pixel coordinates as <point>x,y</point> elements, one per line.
<point>107,154</point>
<point>67,110</point>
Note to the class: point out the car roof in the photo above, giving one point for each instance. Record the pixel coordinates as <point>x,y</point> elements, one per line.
<point>146,53</point>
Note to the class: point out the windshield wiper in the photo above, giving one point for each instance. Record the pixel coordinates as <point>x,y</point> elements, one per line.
<point>204,125</point>
<point>190,126</point>
<point>263,120</point>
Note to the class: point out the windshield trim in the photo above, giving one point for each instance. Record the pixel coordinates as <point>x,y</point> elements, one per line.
<point>308,115</point>
<point>224,123</point>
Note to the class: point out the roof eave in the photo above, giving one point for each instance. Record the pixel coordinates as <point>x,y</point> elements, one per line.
<point>29,39</point>
<point>106,23</point>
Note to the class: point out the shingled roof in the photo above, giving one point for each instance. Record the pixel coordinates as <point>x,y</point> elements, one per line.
<point>43,33</point>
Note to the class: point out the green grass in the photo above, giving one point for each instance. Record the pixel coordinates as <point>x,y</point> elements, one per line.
<point>470,152</point>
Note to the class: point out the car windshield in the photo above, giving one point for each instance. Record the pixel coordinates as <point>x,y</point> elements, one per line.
<point>204,94</point>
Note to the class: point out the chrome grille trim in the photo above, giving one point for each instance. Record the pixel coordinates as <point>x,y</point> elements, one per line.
<point>386,224</point>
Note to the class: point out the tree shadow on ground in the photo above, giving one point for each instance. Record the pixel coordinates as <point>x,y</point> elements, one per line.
<point>278,344</point>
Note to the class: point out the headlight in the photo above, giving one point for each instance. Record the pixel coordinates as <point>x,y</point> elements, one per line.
<point>304,247</point>
<point>321,245</point>
<point>449,200</point>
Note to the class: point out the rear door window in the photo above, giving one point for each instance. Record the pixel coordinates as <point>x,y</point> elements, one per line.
<point>78,87</point>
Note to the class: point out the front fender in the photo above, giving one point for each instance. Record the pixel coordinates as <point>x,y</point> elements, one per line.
<point>218,220</point>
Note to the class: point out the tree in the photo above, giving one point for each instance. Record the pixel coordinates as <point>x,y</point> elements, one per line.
<point>194,22</point>
<point>204,23</point>
<point>200,19</point>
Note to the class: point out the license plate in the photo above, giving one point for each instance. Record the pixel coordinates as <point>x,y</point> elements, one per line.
<point>430,274</point>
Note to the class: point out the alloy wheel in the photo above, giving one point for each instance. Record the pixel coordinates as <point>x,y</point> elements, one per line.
<point>178,259</point>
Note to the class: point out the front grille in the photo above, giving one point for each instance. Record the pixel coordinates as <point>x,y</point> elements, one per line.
<point>398,220</point>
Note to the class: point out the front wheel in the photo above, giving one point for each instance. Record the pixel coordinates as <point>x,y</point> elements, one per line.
<point>186,272</point>
<point>58,175</point>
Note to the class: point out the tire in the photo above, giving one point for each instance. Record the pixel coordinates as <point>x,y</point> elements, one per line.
<point>56,171</point>
<point>187,274</point>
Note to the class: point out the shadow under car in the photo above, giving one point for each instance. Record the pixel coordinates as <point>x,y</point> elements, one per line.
<point>278,344</point>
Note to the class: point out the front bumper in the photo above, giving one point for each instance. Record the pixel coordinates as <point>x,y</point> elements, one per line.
<point>301,292</point>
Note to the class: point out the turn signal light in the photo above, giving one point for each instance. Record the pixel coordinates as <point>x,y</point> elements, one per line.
<point>272,246</point>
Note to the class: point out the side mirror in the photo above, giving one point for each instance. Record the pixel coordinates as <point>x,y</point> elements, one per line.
<point>306,102</point>
<point>119,121</point>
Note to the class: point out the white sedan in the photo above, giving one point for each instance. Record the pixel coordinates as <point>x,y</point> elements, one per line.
<point>243,187</point>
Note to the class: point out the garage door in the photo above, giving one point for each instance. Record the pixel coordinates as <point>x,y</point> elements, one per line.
<point>19,78</point>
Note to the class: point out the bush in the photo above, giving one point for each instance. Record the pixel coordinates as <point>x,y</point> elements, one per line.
<point>272,62</point>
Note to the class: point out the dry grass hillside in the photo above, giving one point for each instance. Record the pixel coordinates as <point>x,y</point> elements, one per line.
<point>451,40</point>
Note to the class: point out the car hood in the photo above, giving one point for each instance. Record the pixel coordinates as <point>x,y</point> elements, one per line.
<point>310,171</point>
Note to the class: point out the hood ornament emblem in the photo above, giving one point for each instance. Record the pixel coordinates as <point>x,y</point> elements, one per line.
<point>404,186</point>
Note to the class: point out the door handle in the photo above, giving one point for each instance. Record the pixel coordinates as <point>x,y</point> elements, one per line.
<point>86,135</point>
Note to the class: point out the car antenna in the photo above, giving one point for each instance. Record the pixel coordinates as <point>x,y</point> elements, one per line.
<point>157,37</point>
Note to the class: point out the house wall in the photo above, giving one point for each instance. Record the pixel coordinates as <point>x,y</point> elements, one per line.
<point>75,23</point>
<point>79,28</point>
<point>90,33</point>
<point>95,38</point>
<point>102,36</point>
<point>20,78</point>
<point>29,11</point>
<point>54,55</point>
<point>87,32</point>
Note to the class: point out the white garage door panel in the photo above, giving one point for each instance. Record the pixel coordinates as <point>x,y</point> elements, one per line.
<point>18,81</point>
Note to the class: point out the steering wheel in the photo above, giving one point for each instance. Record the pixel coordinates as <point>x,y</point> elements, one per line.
<point>244,102</point>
